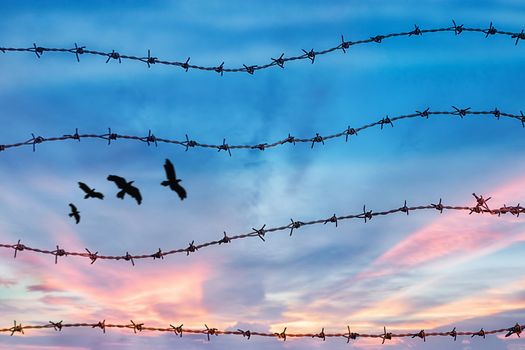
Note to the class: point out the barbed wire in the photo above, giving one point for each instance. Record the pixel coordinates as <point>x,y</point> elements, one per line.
<point>367,215</point>
<point>188,143</point>
<point>209,331</point>
<point>310,55</point>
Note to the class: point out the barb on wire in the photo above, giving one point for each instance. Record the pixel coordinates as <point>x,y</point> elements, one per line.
<point>18,247</point>
<point>128,257</point>
<point>78,51</point>
<point>481,333</point>
<point>440,207</point>
<point>36,140</point>
<point>191,248</point>
<point>224,147</point>
<point>457,29</point>
<point>101,325</point>
<point>317,138</point>
<point>211,331</point>
<point>421,335</point>
<point>56,325</point>
<point>320,335</point>
<point>386,120</point>
<point>16,328</point>
<point>279,62</point>
<point>350,335</point>
<point>349,132</point>
<point>453,334</point>
<point>225,239</point>
<point>186,65</point>
<point>461,111</point>
<point>136,326</point>
<point>519,36</point>
<point>295,225</point>
<point>248,334</point>
<point>177,330</point>
<point>150,138</point>
<point>366,214</point>
<point>260,232</point>
<point>281,335</point>
<point>157,255</point>
<point>404,208</point>
<point>416,31</point>
<point>92,256</point>
<point>385,335</point>
<point>490,31</point>
<point>516,329</point>
<point>208,331</point>
<point>480,207</point>
<point>58,252</point>
<point>332,218</point>
<point>346,133</point>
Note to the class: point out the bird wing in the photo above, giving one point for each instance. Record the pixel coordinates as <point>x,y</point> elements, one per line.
<point>73,208</point>
<point>180,191</point>
<point>84,187</point>
<point>170,170</point>
<point>119,181</point>
<point>135,193</point>
<point>98,195</point>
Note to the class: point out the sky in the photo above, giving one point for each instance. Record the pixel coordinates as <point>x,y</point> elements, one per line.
<point>422,271</point>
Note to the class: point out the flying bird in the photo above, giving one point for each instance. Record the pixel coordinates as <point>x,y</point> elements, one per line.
<point>172,181</point>
<point>126,187</point>
<point>74,213</point>
<point>90,192</point>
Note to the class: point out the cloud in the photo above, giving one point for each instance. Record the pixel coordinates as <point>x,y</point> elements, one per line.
<point>452,235</point>
<point>42,288</point>
<point>6,282</point>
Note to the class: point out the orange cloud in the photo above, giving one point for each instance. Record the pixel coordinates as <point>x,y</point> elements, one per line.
<point>157,294</point>
<point>452,239</point>
<point>490,302</point>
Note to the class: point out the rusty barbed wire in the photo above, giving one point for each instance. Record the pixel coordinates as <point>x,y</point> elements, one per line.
<point>310,55</point>
<point>517,329</point>
<point>150,138</point>
<point>480,207</point>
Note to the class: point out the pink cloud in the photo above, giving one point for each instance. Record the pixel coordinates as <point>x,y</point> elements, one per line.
<point>6,282</point>
<point>435,241</point>
<point>157,294</point>
<point>58,300</point>
<point>152,294</point>
<point>453,234</point>
<point>42,288</point>
<point>40,347</point>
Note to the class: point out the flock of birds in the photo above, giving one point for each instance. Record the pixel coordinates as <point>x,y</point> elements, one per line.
<point>127,187</point>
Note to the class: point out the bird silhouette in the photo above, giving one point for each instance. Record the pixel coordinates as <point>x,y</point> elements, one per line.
<point>126,187</point>
<point>90,193</point>
<point>74,213</point>
<point>172,181</point>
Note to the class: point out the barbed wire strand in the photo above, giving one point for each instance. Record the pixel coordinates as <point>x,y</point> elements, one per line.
<point>208,331</point>
<point>366,215</point>
<point>310,55</point>
<point>188,143</point>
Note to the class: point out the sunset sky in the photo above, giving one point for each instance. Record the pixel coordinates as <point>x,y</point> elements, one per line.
<point>426,270</point>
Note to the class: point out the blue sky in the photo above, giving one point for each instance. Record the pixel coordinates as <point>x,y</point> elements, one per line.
<point>424,271</point>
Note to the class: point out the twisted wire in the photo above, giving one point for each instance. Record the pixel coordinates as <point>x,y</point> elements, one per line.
<point>480,207</point>
<point>280,61</point>
<point>208,331</point>
<point>188,143</point>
